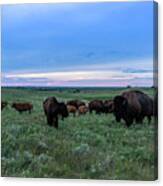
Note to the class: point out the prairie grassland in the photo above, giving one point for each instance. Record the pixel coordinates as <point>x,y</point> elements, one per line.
<point>90,146</point>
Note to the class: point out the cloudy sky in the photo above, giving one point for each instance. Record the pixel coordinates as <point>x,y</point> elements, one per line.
<point>77,44</point>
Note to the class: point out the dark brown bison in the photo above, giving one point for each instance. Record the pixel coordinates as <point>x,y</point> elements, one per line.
<point>3,104</point>
<point>97,106</point>
<point>22,107</point>
<point>108,106</point>
<point>82,110</point>
<point>133,105</point>
<point>76,103</point>
<point>71,109</point>
<point>53,109</point>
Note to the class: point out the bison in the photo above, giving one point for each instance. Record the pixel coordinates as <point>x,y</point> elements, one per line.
<point>3,104</point>
<point>53,109</point>
<point>108,106</point>
<point>22,107</point>
<point>71,109</point>
<point>97,106</point>
<point>76,103</point>
<point>82,110</point>
<point>132,105</point>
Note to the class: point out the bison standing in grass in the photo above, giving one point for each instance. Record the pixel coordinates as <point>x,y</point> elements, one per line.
<point>97,106</point>
<point>71,109</point>
<point>76,103</point>
<point>82,110</point>
<point>53,109</point>
<point>133,105</point>
<point>108,106</point>
<point>22,107</point>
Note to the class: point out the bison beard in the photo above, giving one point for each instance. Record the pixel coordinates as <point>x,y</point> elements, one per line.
<point>52,109</point>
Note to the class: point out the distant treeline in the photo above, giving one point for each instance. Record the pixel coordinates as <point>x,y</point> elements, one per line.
<point>73,89</point>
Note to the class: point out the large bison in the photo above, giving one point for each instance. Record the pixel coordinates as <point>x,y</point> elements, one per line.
<point>76,103</point>
<point>53,109</point>
<point>97,106</point>
<point>133,105</point>
<point>3,104</point>
<point>22,107</point>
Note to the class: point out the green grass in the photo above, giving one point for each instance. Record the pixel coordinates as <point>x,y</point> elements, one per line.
<point>89,146</point>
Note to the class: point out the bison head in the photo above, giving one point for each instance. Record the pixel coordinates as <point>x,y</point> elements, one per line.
<point>120,107</point>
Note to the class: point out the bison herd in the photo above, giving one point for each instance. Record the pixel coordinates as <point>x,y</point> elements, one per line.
<point>131,106</point>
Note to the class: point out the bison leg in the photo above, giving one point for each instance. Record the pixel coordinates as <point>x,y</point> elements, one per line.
<point>139,119</point>
<point>98,112</point>
<point>49,120</point>
<point>149,119</point>
<point>56,122</point>
<point>118,119</point>
<point>129,122</point>
<point>45,112</point>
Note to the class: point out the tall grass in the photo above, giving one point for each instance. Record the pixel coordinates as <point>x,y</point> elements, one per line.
<point>90,146</point>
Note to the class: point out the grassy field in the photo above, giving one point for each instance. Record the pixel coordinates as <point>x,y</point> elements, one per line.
<point>89,146</point>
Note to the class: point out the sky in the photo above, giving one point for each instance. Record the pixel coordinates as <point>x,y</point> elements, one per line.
<point>77,44</point>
